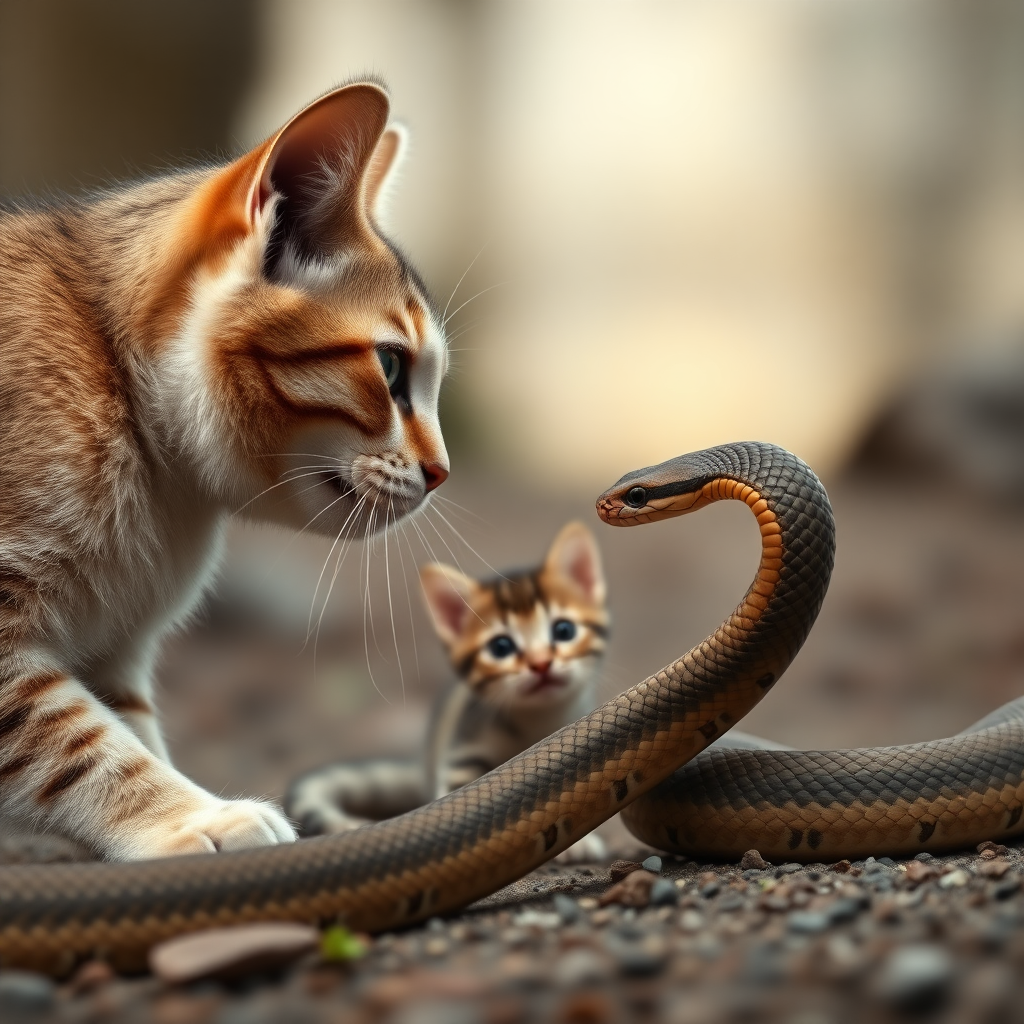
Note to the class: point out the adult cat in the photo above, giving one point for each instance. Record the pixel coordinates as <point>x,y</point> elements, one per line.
<point>234,337</point>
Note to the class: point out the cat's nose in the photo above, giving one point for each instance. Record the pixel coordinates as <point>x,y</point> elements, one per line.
<point>539,665</point>
<point>434,474</point>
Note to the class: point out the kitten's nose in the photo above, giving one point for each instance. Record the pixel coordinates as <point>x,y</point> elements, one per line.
<point>540,665</point>
<point>434,473</point>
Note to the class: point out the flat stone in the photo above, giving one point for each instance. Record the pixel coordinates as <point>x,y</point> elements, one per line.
<point>25,992</point>
<point>231,952</point>
<point>915,978</point>
<point>652,864</point>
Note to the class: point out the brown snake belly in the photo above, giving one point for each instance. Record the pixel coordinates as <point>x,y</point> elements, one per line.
<point>473,841</point>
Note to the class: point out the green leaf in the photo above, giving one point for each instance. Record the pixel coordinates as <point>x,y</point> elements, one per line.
<point>338,943</point>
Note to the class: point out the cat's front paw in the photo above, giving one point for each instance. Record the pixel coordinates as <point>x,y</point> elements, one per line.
<point>584,851</point>
<point>222,826</point>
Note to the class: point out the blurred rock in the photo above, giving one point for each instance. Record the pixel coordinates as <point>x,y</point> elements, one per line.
<point>962,424</point>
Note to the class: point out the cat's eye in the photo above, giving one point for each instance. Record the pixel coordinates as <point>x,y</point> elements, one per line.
<point>562,630</point>
<point>391,364</point>
<point>636,496</point>
<point>501,646</point>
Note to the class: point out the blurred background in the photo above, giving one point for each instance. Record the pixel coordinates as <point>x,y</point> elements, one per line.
<point>660,225</point>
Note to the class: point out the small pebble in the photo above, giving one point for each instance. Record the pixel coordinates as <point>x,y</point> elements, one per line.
<point>621,868</point>
<point>925,857</point>
<point>587,903</point>
<point>954,880</point>
<point>530,918</point>
<point>753,859</point>
<point>664,893</point>
<point>731,901</point>
<point>25,992</point>
<point>846,908</point>
<point>915,978</point>
<point>711,889</point>
<point>787,869</point>
<point>567,909</point>
<point>808,922</point>
<point>995,867</point>
<point>436,946</point>
<point>691,920</point>
<point>652,864</point>
<point>633,891</point>
<point>580,968</point>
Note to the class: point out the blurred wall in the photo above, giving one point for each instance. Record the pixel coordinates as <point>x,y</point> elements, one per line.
<point>100,90</point>
<point>701,219</point>
<point>706,220</point>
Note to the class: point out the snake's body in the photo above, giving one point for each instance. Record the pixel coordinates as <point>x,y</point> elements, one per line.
<point>485,835</point>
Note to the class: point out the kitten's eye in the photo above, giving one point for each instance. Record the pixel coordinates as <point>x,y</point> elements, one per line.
<point>501,646</point>
<point>391,364</point>
<point>562,630</point>
<point>636,496</point>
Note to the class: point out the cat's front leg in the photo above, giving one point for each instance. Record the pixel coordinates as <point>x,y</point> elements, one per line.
<point>69,765</point>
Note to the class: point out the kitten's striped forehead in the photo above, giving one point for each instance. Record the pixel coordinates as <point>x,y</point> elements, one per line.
<point>517,593</point>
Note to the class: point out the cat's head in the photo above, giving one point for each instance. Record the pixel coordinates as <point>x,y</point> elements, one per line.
<point>307,370</point>
<point>527,638</point>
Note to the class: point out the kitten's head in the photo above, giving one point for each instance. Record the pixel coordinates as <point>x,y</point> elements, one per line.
<point>532,638</point>
<point>311,358</point>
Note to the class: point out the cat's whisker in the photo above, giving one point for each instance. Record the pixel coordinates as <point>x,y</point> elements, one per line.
<point>368,609</point>
<point>459,536</point>
<point>339,537</point>
<point>391,607</point>
<point>456,507</point>
<point>458,284</point>
<point>473,298</point>
<point>280,483</point>
<point>408,596</point>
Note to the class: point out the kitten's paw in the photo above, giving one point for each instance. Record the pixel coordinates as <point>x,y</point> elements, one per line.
<point>584,851</point>
<point>225,825</point>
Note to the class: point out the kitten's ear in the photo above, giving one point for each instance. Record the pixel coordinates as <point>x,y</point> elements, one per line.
<point>574,557</point>
<point>323,165</point>
<point>448,593</point>
<point>388,156</point>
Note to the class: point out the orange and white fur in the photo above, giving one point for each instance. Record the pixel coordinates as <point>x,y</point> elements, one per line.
<point>526,648</point>
<point>237,337</point>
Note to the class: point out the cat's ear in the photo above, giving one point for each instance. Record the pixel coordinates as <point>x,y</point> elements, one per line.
<point>448,594</point>
<point>323,169</point>
<point>574,557</point>
<point>379,180</point>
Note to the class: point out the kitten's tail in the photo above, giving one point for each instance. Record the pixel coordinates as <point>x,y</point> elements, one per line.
<point>347,794</point>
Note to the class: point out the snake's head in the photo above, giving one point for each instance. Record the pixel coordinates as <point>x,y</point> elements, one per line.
<point>672,488</point>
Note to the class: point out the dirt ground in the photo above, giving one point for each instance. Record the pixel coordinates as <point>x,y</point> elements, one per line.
<point>921,634</point>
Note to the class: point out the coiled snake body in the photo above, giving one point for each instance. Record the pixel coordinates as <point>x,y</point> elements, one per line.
<point>474,840</point>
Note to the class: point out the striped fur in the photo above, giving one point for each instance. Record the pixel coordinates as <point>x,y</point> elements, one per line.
<point>172,351</point>
<point>498,705</point>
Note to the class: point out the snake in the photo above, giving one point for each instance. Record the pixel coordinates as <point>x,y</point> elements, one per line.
<point>643,753</point>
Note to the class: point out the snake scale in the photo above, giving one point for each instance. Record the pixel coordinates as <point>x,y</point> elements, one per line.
<point>812,806</point>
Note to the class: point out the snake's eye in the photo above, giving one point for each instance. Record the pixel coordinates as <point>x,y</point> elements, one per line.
<point>636,496</point>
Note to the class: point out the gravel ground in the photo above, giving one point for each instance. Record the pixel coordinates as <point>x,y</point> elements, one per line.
<point>930,939</point>
<point>920,634</point>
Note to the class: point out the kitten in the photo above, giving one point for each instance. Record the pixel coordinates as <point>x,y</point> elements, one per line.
<point>236,337</point>
<point>525,648</point>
